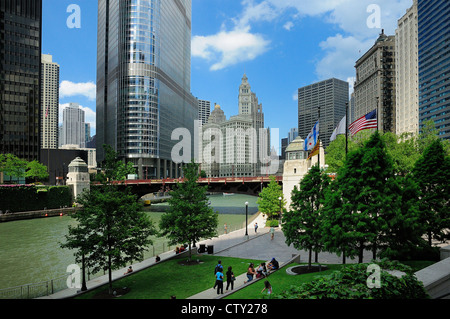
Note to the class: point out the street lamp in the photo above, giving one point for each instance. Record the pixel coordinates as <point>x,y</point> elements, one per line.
<point>246,220</point>
<point>279,198</point>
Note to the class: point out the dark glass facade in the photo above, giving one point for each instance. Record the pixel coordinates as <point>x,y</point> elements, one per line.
<point>331,96</point>
<point>434,64</point>
<point>20,67</point>
<point>143,80</point>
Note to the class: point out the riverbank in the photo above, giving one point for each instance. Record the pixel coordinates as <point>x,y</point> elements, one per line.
<point>37,214</point>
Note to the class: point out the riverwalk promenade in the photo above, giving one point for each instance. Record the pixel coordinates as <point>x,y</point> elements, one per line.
<point>257,245</point>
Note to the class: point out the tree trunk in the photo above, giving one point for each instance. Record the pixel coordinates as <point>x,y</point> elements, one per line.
<point>343,257</point>
<point>361,252</point>
<point>110,275</point>
<point>310,258</point>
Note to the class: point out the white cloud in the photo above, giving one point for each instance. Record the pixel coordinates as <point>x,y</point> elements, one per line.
<point>227,48</point>
<point>288,25</point>
<point>341,50</point>
<point>68,89</point>
<point>341,54</point>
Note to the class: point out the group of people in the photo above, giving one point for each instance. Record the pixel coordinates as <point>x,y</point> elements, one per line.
<point>180,249</point>
<point>218,273</point>
<point>261,272</point>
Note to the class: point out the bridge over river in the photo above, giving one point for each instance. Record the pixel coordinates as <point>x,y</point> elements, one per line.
<point>239,185</point>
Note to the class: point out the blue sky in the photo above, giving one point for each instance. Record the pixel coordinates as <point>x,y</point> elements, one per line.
<point>280,44</point>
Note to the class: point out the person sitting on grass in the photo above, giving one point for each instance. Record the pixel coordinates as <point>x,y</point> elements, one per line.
<point>130,269</point>
<point>273,265</point>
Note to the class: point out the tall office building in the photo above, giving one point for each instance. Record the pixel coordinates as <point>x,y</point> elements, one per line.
<point>407,73</point>
<point>292,135</point>
<point>375,83</point>
<point>49,102</point>
<point>331,97</point>
<point>204,111</point>
<point>143,81</point>
<point>241,147</point>
<point>434,65</point>
<point>20,67</point>
<point>73,128</point>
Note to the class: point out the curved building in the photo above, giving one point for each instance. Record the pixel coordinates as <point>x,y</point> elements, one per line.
<point>143,81</point>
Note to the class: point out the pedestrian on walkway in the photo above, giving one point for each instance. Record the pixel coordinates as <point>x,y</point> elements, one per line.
<point>218,268</point>
<point>230,278</point>
<point>225,229</point>
<point>219,281</point>
<point>250,273</point>
<point>272,232</point>
<point>256,227</point>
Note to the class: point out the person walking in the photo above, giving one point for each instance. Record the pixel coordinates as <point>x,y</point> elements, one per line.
<point>230,278</point>
<point>219,281</point>
<point>256,227</point>
<point>218,268</point>
<point>272,232</point>
<point>268,287</point>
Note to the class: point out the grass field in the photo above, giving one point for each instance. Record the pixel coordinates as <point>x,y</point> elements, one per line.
<point>170,278</point>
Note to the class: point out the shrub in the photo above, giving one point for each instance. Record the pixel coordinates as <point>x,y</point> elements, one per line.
<point>272,223</point>
<point>351,283</point>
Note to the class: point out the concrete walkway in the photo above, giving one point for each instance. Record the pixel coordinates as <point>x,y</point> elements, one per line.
<point>257,245</point>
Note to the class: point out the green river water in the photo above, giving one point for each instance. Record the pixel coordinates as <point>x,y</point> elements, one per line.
<point>30,249</point>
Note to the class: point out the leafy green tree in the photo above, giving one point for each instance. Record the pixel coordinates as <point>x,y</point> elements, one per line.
<point>115,169</point>
<point>403,239</point>
<point>269,199</point>
<point>369,194</point>
<point>301,225</point>
<point>189,217</point>
<point>336,226</point>
<point>402,150</point>
<point>12,165</point>
<point>111,231</point>
<point>432,174</point>
<point>36,170</point>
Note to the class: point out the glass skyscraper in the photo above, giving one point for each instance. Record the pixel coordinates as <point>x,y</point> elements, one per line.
<point>143,81</point>
<point>20,69</point>
<point>434,64</point>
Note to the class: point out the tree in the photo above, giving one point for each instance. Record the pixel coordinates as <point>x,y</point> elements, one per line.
<point>268,201</point>
<point>369,194</point>
<point>189,217</point>
<point>36,170</point>
<point>432,173</point>
<point>301,225</point>
<point>337,226</point>
<point>12,165</point>
<point>115,169</point>
<point>111,232</point>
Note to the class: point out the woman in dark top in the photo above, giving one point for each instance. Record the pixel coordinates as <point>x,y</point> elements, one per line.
<point>230,278</point>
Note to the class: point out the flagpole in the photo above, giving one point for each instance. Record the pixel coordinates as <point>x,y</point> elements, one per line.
<point>318,139</point>
<point>346,129</point>
<point>378,113</point>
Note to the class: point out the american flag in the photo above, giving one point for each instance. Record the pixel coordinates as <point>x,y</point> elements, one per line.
<point>365,122</point>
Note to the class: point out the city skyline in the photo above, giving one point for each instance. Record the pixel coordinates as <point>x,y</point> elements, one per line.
<point>281,45</point>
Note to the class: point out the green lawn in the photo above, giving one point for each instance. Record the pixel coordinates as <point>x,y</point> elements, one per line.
<point>280,281</point>
<point>169,278</point>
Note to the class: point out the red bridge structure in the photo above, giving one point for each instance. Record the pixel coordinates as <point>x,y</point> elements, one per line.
<point>237,185</point>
